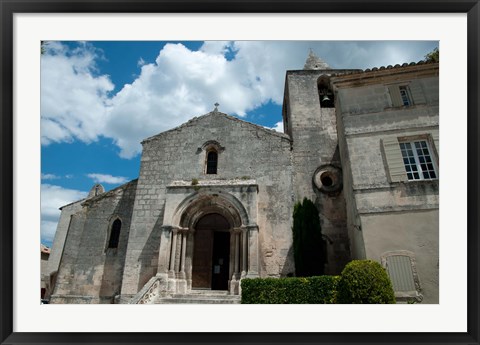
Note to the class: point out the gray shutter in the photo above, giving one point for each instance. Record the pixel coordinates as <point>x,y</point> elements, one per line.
<point>394,159</point>
<point>417,93</point>
<point>395,96</point>
<point>400,271</point>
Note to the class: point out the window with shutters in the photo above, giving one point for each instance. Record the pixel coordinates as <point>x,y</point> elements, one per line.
<point>401,268</point>
<point>405,95</point>
<point>411,158</point>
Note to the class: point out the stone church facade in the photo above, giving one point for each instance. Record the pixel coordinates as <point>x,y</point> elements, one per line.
<point>214,199</point>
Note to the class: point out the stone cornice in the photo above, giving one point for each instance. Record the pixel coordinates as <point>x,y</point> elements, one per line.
<point>385,75</point>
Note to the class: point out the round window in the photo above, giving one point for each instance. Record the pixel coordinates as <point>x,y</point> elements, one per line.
<point>328,179</point>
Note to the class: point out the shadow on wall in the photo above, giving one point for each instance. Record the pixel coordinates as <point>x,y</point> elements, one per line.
<point>148,259</point>
<point>288,269</point>
<point>115,257</point>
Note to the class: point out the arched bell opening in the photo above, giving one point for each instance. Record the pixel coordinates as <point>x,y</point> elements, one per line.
<point>325,92</point>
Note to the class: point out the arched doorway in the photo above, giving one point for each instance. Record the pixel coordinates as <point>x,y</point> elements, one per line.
<point>211,244</point>
<point>211,255</point>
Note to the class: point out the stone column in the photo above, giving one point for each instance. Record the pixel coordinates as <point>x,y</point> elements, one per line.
<point>171,271</point>
<point>182,285</point>
<point>164,258</point>
<point>184,251</point>
<point>231,268</point>
<point>189,257</point>
<point>237,254</point>
<point>253,259</point>
<point>236,262</point>
<point>244,234</point>
<point>164,250</point>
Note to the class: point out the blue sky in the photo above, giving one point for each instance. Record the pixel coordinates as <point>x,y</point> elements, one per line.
<point>100,99</point>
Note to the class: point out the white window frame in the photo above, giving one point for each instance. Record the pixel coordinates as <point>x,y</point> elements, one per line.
<point>417,160</point>
<point>401,95</point>
<point>405,95</point>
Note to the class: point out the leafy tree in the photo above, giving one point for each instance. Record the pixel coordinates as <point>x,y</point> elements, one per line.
<point>309,248</point>
<point>433,56</point>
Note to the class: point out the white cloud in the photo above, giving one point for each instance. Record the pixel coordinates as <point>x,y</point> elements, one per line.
<point>180,84</point>
<point>48,228</point>
<point>278,127</point>
<point>74,101</point>
<point>52,198</point>
<point>216,47</point>
<point>49,177</point>
<point>141,62</point>
<point>183,83</point>
<point>105,178</point>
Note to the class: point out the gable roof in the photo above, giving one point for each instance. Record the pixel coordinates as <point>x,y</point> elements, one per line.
<point>220,114</point>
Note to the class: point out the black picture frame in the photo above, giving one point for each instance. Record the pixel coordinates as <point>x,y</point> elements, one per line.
<point>10,7</point>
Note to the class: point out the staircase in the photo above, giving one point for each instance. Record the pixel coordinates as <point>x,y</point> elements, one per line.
<point>201,297</point>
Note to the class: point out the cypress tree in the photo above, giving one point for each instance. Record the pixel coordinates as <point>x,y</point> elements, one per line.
<point>309,248</point>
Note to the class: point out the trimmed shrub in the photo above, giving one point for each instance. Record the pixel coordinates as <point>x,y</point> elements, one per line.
<point>309,248</point>
<point>312,290</point>
<point>364,281</point>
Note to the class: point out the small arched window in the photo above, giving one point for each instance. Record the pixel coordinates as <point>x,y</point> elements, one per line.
<point>115,234</point>
<point>212,162</point>
<point>325,93</point>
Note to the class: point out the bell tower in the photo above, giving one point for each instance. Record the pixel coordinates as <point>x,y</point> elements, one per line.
<point>310,119</point>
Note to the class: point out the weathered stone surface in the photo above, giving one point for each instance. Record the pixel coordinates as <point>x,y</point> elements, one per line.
<point>385,216</point>
<point>88,267</point>
<point>336,123</point>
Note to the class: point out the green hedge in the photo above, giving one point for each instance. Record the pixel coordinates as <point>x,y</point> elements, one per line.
<point>361,281</point>
<point>364,281</point>
<point>311,290</point>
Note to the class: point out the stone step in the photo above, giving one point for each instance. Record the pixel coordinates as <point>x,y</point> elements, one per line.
<point>201,297</point>
<point>208,292</point>
<point>204,300</point>
<point>208,296</point>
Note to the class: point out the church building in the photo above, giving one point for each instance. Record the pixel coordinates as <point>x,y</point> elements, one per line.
<point>213,202</point>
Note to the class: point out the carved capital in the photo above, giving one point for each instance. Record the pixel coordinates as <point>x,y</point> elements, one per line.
<point>166,228</point>
<point>185,231</point>
<point>238,230</point>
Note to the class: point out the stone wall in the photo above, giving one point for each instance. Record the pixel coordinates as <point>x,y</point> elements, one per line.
<point>88,267</point>
<point>386,215</point>
<point>315,146</point>
<point>245,151</point>
<point>415,231</point>
<point>61,234</point>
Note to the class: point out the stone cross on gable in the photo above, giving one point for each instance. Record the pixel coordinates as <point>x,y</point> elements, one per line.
<point>216,106</point>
